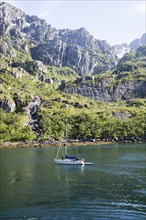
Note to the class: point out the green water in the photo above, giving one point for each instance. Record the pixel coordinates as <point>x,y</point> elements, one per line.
<point>33,187</point>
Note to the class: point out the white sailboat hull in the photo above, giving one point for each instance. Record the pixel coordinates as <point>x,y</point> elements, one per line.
<point>72,162</point>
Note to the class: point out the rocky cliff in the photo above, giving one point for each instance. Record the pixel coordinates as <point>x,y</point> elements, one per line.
<point>138,42</point>
<point>48,75</point>
<point>76,49</point>
<point>39,45</point>
<point>104,91</point>
<point>126,82</point>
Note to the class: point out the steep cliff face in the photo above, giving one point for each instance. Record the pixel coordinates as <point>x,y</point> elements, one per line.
<point>16,22</point>
<point>126,82</point>
<point>73,48</point>
<point>104,91</point>
<point>80,59</point>
<point>41,67</point>
<point>138,42</point>
<point>7,104</point>
<point>76,49</point>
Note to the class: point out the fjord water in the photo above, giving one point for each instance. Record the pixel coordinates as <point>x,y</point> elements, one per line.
<point>32,186</point>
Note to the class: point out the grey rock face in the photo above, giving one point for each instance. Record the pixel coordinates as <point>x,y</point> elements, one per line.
<point>135,44</point>
<point>122,115</point>
<point>83,38</point>
<point>76,49</point>
<point>5,51</point>
<point>103,91</point>
<point>17,73</point>
<point>143,39</point>
<point>32,112</point>
<point>9,17</point>
<point>138,42</point>
<point>73,48</point>
<point>79,59</point>
<point>79,37</point>
<point>7,104</point>
<point>130,90</point>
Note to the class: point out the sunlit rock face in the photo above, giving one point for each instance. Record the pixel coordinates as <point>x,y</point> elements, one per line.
<point>77,49</point>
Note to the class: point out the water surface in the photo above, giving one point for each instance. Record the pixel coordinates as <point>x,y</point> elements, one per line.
<point>33,187</point>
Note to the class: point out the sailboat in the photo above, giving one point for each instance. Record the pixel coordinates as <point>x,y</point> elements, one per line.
<point>70,160</point>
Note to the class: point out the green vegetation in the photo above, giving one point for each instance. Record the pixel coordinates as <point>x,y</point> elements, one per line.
<point>22,80</point>
<point>92,125</point>
<point>13,128</point>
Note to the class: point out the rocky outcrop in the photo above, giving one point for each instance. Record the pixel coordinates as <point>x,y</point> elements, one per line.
<point>7,105</point>
<point>21,28</point>
<point>138,42</point>
<point>77,49</point>
<point>17,72</point>
<point>104,91</point>
<point>80,59</point>
<point>10,16</point>
<point>130,90</point>
<point>122,115</point>
<point>5,50</point>
<point>33,117</point>
<point>35,68</point>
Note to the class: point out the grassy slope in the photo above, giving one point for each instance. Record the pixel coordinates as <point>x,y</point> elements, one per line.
<point>93,120</point>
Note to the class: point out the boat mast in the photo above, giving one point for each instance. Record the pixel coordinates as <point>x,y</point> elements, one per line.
<point>65,137</point>
<point>58,152</point>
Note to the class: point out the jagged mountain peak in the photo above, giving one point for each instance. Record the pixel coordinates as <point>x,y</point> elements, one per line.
<point>143,39</point>
<point>121,49</point>
<point>76,49</point>
<point>138,42</point>
<point>9,11</point>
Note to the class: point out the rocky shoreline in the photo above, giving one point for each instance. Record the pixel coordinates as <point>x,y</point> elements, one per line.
<point>32,144</point>
<point>38,144</point>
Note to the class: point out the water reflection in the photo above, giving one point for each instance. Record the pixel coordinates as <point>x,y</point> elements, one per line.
<point>32,185</point>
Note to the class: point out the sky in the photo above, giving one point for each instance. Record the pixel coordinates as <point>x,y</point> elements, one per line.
<point>115,21</point>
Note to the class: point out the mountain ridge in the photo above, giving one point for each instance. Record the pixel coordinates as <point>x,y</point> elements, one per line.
<point>49,75</point>
<point>80,44</point>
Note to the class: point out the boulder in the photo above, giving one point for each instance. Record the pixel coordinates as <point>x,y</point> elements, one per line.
<point>7,105</point>
<point>17,75</point>
<point>122,115</point>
